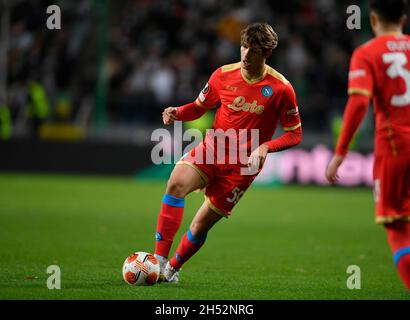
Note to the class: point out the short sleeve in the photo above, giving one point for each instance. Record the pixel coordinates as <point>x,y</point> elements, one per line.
<point>289,116</point>
<point>360,75</point>
<point>209,97</point>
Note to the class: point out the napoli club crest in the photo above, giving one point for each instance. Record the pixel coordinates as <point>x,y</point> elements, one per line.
<point>267,91</point>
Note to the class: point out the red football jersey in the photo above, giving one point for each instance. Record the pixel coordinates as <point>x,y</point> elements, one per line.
<point>250,104</point>
<point>380,69</point>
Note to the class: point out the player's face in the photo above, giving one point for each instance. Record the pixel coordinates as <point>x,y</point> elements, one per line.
<point>251,58</point>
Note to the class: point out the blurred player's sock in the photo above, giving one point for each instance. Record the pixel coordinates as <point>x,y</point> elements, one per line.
<point>402,260</point>
<point>169,220</point>
<point>398,235</point>
<point>188,246</point>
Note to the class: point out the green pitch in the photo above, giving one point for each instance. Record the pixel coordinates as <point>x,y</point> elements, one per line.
<point>285,243</point>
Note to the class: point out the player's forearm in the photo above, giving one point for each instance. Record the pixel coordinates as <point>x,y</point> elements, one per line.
<point>285,141</point>
<point>190,112</point>
<point>355,111</point>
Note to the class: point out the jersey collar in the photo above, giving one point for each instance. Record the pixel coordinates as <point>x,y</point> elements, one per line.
<point>254,80</point>
<point>392,33</point>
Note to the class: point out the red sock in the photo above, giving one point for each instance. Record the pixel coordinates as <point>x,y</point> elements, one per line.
<point>188,246</point>
<point>398,235</point>
<point>403,267</point>
<point>169,221</point>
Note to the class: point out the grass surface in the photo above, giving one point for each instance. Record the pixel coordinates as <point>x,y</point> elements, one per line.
<point>292,242</point>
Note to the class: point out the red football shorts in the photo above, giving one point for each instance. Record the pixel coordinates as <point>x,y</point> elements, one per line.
<point>225,183</point>
<point>392,187</point>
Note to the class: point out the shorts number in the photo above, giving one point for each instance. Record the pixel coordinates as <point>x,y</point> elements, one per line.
<point>237,194</point>
<point>397,61</point>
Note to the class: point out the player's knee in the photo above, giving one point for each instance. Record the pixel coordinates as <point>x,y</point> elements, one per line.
<point>198,228</point>
<point>176,188</point>
<point>195,228</point>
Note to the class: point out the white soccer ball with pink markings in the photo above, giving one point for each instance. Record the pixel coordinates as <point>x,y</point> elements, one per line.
<point>140,269</point>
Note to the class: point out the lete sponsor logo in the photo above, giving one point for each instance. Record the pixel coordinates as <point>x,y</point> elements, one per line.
<point>240,104</point>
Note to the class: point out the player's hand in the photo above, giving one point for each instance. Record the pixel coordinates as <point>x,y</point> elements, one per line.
<point>170,115</point>
<point>258,157</point>
<point>332,167</point>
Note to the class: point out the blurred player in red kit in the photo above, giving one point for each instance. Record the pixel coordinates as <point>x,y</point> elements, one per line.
<point>249,95</point>
<point>380,70</point>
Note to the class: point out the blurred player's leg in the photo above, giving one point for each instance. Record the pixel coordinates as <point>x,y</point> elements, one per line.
<point>183,180</point>
<point>398,235</point>
<point>194,238</point>
<point>392,194</point>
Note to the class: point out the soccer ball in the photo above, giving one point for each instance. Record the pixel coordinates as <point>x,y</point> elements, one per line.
<point>140,269</point>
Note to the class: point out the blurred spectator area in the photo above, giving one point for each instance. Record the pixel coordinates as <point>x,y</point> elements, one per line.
<point>161,53</point>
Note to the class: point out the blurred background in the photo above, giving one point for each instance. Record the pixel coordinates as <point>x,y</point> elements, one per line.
<point>87,97</point>
<point>78,188</point>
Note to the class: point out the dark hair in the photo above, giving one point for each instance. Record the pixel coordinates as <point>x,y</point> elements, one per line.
<point>259,35</point>
<point>389,10</point>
